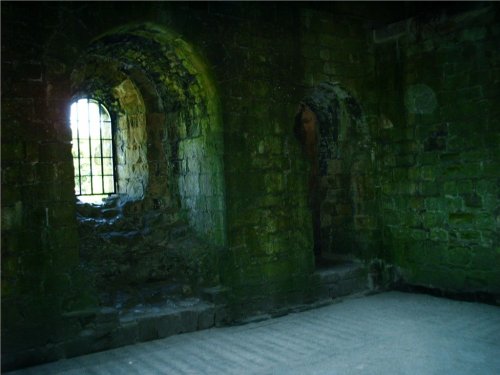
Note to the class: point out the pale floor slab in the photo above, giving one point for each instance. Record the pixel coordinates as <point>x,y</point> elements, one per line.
<point>388,333</point>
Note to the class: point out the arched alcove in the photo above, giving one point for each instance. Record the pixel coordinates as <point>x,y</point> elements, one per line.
<point>182,121</point>
<point>166,223</point>
<point>332,130</point>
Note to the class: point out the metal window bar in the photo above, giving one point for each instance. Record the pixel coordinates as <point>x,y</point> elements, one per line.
<point>114,148</point>
<point>90,149</point>
<point>112,157</point>
<point>78,143</point>
<point>102,153</point>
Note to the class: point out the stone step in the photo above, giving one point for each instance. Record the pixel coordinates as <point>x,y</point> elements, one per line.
<point>112,329</point>
<point>342,280</point>
<point>217,294</point>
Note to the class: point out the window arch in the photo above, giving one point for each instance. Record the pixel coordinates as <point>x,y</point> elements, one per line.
<point>92,150</point>
<point>332,130</point>
<point>166,121</point>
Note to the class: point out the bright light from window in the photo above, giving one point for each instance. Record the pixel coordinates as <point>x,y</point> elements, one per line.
<point>92,150</point>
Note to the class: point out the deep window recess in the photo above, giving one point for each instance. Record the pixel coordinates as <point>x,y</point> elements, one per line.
<point>92,150</point>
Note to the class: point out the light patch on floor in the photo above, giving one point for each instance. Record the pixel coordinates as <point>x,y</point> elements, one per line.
<point>389,333</point>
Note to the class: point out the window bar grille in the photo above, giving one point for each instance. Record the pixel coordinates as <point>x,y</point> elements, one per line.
<point>78,145</point>
<point>102,149</point>
<point>94,171</point>
<point>90,148</point>
<point>114,156</point>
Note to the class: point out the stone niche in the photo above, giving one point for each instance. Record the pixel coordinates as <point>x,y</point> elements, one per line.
<point>331,128</point>
<point>164,226</point>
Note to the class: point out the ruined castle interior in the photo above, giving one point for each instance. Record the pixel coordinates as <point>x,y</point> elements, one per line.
<point>172,167</point>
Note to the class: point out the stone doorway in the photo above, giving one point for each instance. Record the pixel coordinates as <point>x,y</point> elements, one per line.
<point>331,128</point>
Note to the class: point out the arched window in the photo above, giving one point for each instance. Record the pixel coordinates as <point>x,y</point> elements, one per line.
<point>92,150</point>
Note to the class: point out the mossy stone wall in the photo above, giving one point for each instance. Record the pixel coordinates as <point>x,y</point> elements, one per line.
<point>439,171</point>
<point>269,259</point>
<point>427,86</point>
<point>249,54</point>
<point>336,52</point>
<point>417,185</point>
<point>41,274</point>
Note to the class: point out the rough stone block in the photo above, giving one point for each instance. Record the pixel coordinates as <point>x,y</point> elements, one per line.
<point>31,357</point>
<point>101,343</point>
<point>79,345</point>
<point>13,151</point>
<point>460,218</point>
<point>154,327</point>
<point>102,330</point>
<point>221,316</point>
<point>189,320</point>
<point>435,204</point>
<point>458,256</point>
<point>454,203</point>
<point>12,175</point>
<point>206,318</point>
<point>12,217</point>
<point>324,54</point>
<point>171,324</point>
<point>450,188</point>
<point>473,34</point>
<point>329,68</point>
<point>429,173</point>
<point>470,235</point>
<point>216,295</point>
<point>490,168</point>
<point>428,158</point>
<point>354,285</point>
<point>391,32</point>
<point>429,188</point>
<point>54,151</point>
<point>125,334</point>
<point>434,218</point>
<point>418,235</point>
<point>438,234</point>
<point>329,40</point>
<point>472,200</point>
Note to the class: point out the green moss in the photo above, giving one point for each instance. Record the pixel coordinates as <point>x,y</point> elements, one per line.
<point>438,234</point>
<point>458,218</point>
<point>459,256</point>
<point>434,219</point>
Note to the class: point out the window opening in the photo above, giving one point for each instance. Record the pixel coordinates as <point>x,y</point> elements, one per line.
<point>92,150</point>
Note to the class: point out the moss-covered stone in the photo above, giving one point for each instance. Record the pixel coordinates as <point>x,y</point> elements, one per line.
<point>215,187</point>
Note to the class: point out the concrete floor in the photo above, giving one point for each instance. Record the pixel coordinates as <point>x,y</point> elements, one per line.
<point>388,333</point>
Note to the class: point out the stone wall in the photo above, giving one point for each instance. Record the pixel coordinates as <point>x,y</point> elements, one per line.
<point>439,132</point>
<point>60,256</point>
<point>411,178</point>
<point>271,261</point>
<point>422,195</point>
<point>131,142</point>
<point>41,275</point>
<point>339,82</point>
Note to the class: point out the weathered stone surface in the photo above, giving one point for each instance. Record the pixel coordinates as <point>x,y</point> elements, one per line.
<point>213,187</point>
<point>443,234</point>
<point>343,280</point>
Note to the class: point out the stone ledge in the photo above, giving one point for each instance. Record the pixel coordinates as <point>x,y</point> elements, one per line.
<point>108,329</point>
<point>340,272</point>
<point>342,280</point>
